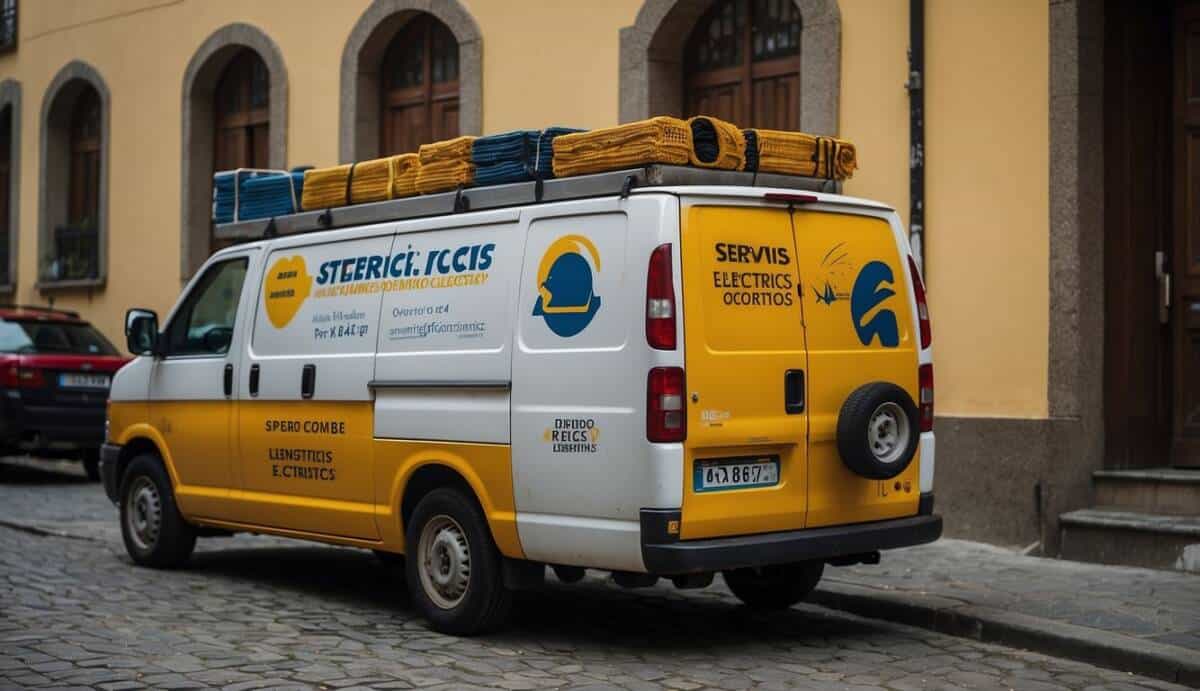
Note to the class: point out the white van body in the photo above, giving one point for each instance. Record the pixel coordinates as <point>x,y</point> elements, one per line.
<point>442,336</point>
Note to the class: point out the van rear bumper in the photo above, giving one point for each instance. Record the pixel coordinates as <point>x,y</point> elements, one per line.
<point>665,557</point>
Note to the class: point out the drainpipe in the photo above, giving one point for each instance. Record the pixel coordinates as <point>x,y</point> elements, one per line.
<point>916,131</point>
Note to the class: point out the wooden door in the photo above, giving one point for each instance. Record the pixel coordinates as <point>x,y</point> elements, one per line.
<point>1137,220</point>
<point>419,98</point>
<point>743,64</point>
<point>1184,312</point>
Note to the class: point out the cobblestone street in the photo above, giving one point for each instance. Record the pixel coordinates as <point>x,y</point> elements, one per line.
<point>258,612</point>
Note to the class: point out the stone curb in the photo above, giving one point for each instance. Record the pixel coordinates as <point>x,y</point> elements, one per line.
<point>990,625</point>
<point>47,532</point>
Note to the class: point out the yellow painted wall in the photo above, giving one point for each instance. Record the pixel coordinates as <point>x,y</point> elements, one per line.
<point>548,62</point>
<point>987,204</point>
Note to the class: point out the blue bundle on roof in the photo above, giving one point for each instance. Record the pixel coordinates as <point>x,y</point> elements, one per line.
<point>268,195</point>
<point>543,165</point>
<point>515,156</point>
<point>244,195</point>
<point>223,188</point>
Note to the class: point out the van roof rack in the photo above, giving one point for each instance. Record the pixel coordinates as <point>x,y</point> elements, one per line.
<point>512,194</point>
<point>38,308</point>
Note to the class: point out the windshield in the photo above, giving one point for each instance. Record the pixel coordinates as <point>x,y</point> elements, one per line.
<point>52,337</point>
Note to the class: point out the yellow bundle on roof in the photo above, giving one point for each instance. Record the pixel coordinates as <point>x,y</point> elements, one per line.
<point>657,140</point>
<point>384,178</point>
<point>797,153</point>
<point>716,144</point>
<point>457,149</point>
<point>444,175</point>
<point>324,187</point>
<point>367,181</point>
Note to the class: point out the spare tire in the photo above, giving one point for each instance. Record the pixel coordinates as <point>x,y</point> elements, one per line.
<point>878,430</point>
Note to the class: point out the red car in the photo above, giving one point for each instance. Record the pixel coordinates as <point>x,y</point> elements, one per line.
<point>55,370</point>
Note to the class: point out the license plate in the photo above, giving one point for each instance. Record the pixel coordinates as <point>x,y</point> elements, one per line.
<point>736,473</point>
<point>83,381</point>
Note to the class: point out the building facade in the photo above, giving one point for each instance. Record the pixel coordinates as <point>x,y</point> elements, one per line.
<point>114,115</point>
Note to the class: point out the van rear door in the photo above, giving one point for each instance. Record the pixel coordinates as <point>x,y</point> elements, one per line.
<point>858,313</point>
<point>745,467</point>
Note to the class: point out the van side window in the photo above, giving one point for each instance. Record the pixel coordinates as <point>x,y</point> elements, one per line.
<point>204,323</point>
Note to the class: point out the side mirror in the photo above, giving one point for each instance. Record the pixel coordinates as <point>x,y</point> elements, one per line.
<point>141,332</point>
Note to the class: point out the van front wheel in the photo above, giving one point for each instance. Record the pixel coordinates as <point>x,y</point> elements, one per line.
<point>155,533</point>
<point>453,567</point>
<point>778,586</point>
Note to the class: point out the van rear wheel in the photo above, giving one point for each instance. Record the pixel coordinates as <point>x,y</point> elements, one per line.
<point>778,586</point>
<point>154,532</point>
<point>453,567</point>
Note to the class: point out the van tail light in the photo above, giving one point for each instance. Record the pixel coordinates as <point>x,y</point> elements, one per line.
<point>17,377</point>
<point>660,300</point>
<point>666,410</point>
<point>925,385</point>
<point>922,307</point>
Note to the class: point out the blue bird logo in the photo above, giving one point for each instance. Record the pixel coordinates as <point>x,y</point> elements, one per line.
<point>865,297</point>
<point>566,293</point>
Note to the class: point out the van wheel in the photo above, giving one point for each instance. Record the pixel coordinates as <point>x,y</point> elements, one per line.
<point>453,567</point>
<point>878,430</point>
<point>778,586</point>
<point>154,532</point>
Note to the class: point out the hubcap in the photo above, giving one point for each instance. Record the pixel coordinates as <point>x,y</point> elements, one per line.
<point>445,561</point>
<point>143,513</point>
<point>887,432</point>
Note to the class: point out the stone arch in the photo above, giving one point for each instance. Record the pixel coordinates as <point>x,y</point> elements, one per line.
<point>651,78</point>
<point>10,97</point>
<point>358,125</point>
<point>54,166</point>
<point>199,84</point>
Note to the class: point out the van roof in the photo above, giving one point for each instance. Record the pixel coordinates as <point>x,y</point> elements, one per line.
<point>750,192</point>
<point>663,178</point>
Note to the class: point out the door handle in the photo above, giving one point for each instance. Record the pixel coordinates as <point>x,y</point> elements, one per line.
<point>308,381</point>
<point>793,391</point>
<point>254,380</point>
<point>228,380</point>
<point>1164,286</point>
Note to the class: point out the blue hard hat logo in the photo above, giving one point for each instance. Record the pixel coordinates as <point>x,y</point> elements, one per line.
<point>566,291</point>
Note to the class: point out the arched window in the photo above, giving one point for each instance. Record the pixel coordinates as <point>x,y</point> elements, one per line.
<point>419,87</point>
<point>84,181</point>
<point>742,64</point>
<point>242,118</point>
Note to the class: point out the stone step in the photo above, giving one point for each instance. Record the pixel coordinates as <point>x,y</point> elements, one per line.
<point>1115,535</point>
<point>1152,490</point>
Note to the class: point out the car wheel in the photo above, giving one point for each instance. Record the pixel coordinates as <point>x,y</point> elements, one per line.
<point>452,565</point>
<point>777,586</point>
<point>878,430</point>
<point>91,464</point>
<point>154,532</point>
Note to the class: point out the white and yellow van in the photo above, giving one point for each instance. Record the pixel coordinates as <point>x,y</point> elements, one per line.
<point>659,375</point>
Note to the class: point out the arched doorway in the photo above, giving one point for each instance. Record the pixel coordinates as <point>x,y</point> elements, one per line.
<point>411,73</point>
<point>742,64</point>
<point>792,76</point>
<point>241,114</point>
<point>234,115</point>
<point>419,87</point>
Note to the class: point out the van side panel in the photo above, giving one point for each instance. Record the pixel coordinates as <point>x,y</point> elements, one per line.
<point>859,318</point>
<point>487,468</point>
<point>582,466</point>
<point>445,334</point>
<point>307,457</point>
<point>744,331</point>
